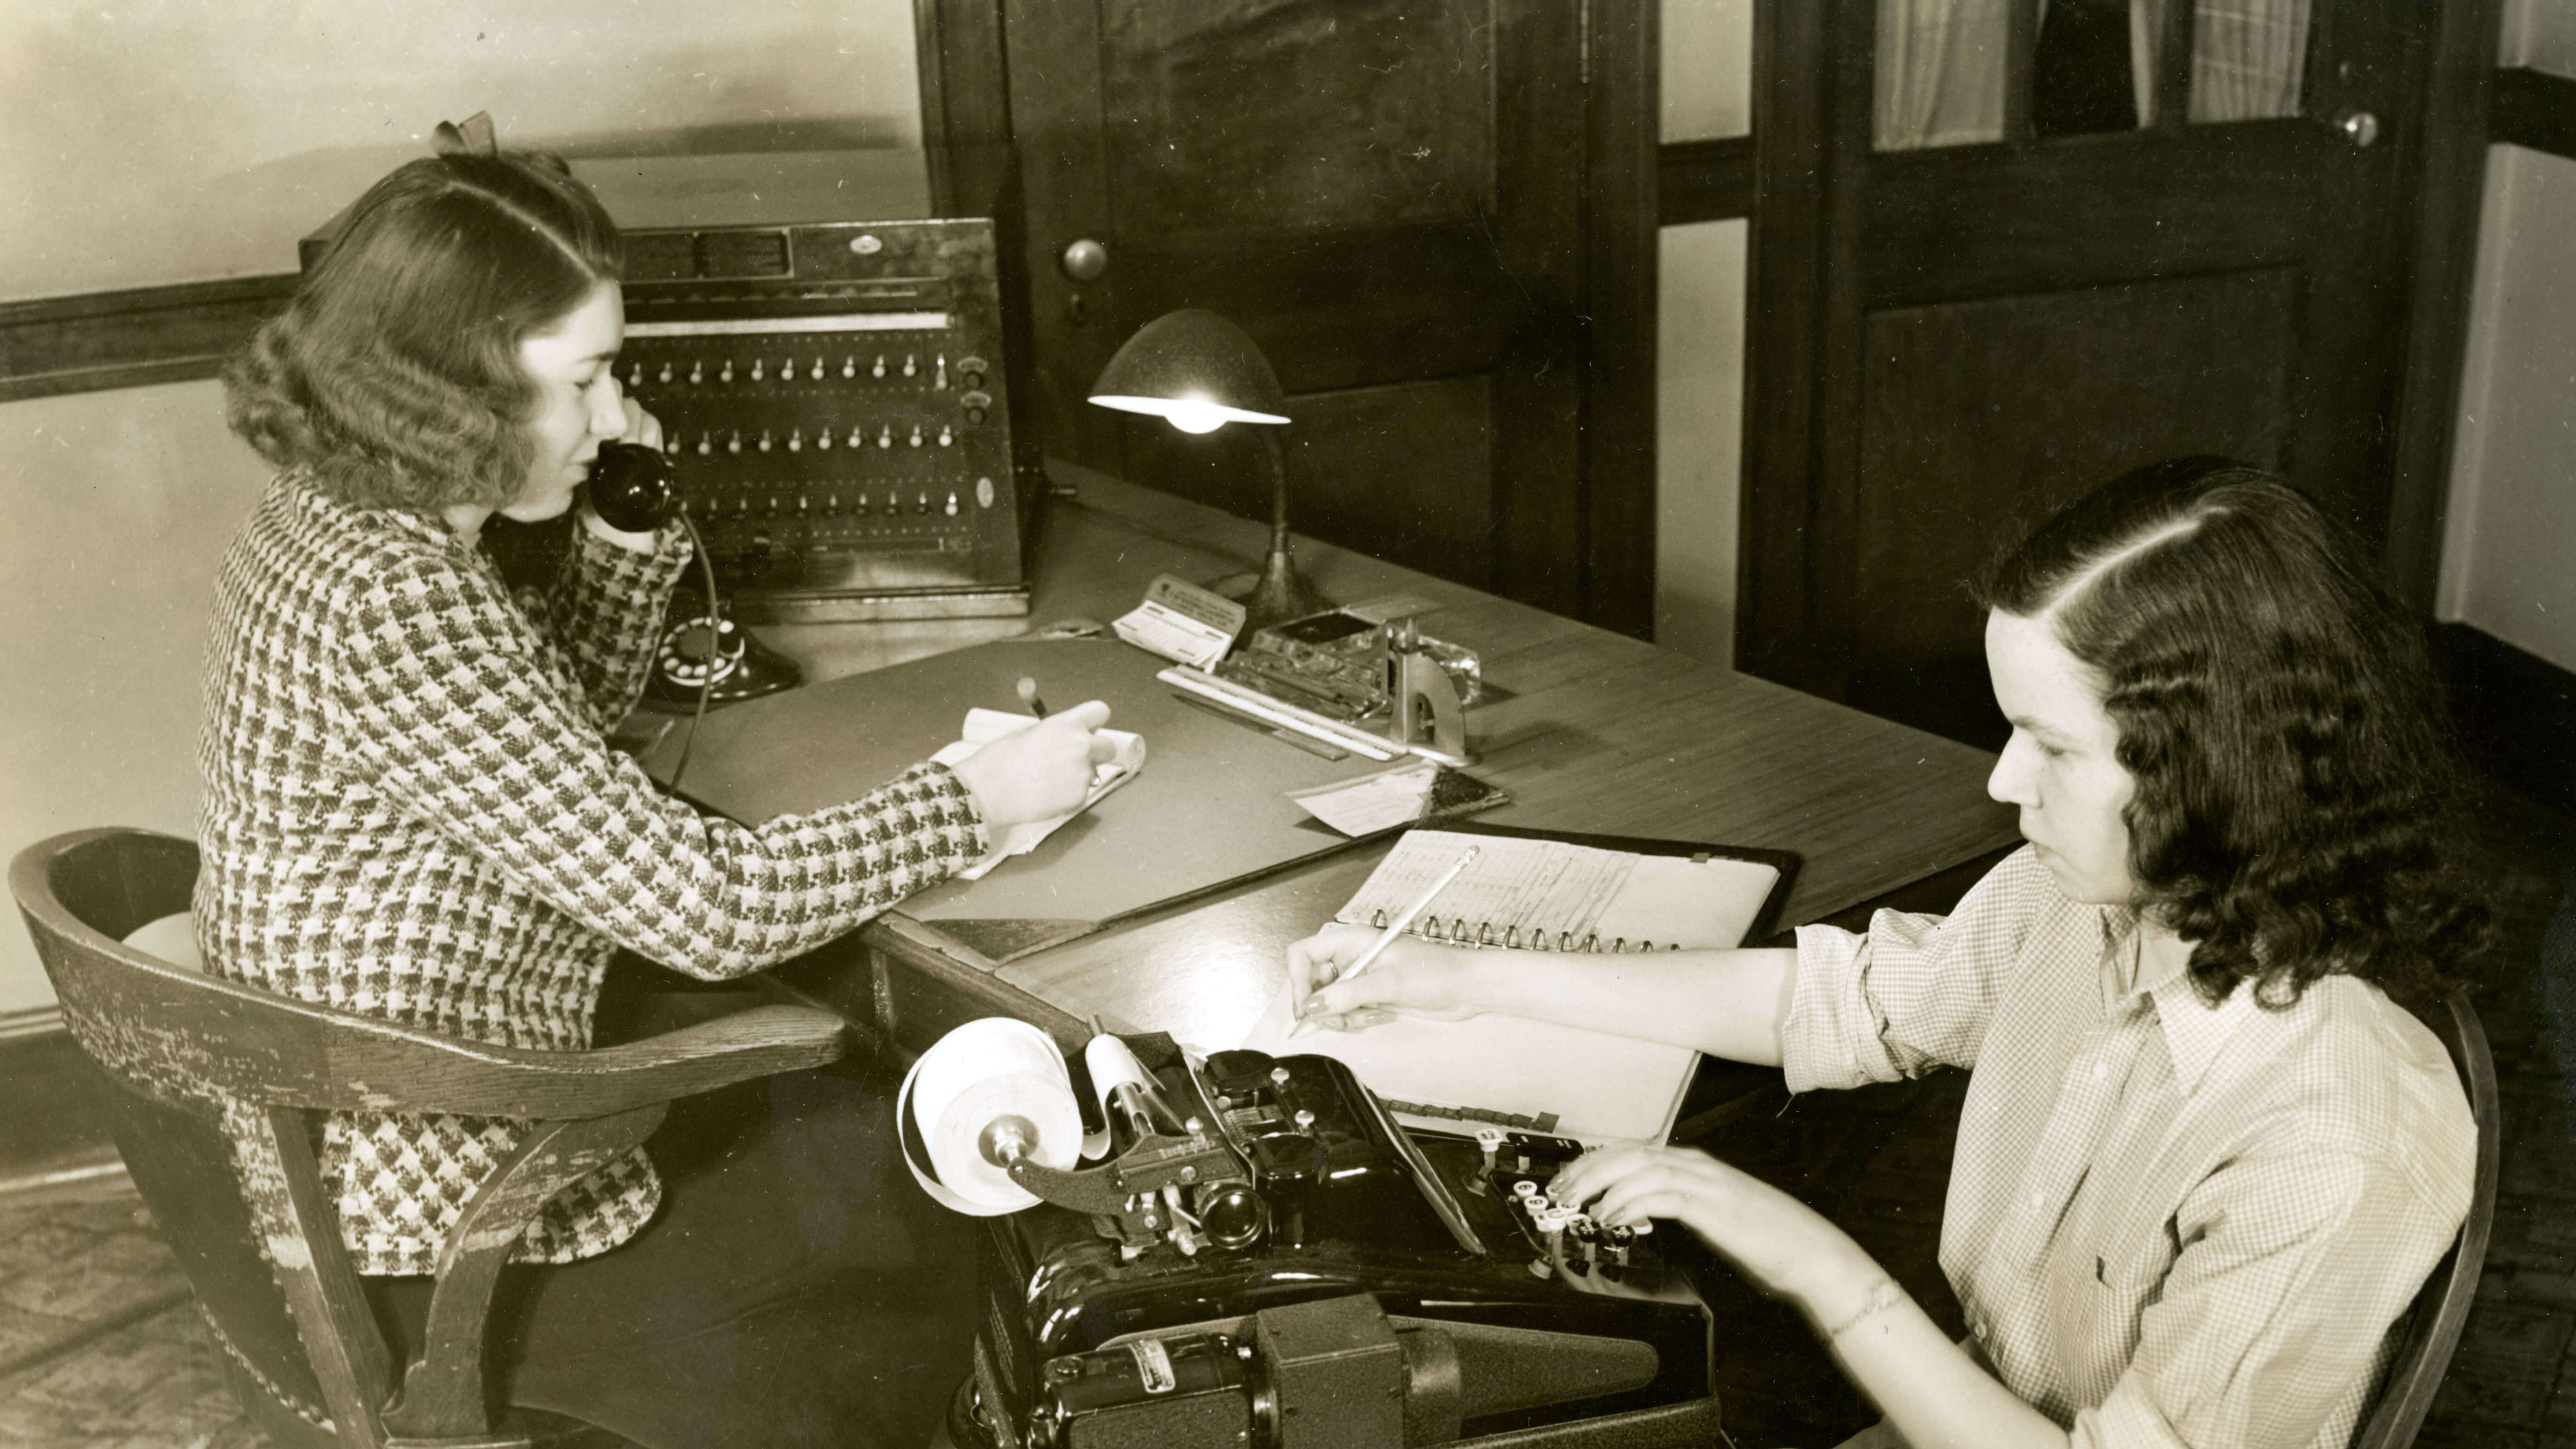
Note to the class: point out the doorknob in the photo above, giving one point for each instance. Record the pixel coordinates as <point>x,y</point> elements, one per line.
<point>2361,128</point>
<point>1085,260</point>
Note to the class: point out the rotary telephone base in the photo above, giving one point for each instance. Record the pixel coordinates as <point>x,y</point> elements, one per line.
<point>744,667</point>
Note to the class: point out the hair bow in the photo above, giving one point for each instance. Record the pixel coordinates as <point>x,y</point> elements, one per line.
<point>470,137</point>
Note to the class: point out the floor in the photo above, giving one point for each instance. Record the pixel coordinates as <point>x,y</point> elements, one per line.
<point>101,1348</point>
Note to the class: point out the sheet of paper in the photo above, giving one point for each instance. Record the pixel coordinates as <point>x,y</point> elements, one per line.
<point>1598,1086</point>
<point>983,726</point>
<point>1179,620</point>
<point>1373,801</point>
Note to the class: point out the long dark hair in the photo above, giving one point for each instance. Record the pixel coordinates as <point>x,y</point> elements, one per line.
<point>2279,714</point>
<point>393,377</point>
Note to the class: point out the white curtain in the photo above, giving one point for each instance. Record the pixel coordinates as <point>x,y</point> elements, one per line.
<point>1940,78</point>
<point>2249,57</point>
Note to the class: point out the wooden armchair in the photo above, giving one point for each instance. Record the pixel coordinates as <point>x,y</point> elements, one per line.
<point>215,1087</point>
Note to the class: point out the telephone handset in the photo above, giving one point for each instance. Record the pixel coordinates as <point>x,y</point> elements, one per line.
<point>703,657</point>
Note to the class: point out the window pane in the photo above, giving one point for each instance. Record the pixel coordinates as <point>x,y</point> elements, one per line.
<point>1940,78</point>
<point>2248,58</point>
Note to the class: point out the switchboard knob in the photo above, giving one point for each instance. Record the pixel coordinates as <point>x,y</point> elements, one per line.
<point>818,369</point>
<point>831,503</point>
<point>916,435</point>
<point>804,505</point>
<point>665,374</point>
<point>861,506</point>
<point>733,443</point>
<point>974,415</point>
<point>911,368</point>
<point>697,372</point>
<point>867,244</point>
<point>823,439</point>
<point>706,444</point>
<point>727,374</point>
<point>796,440</point>
<point>885,437</point>
<point>939,374</point>
<point>858,435</point>
<point>879,369</point>
<point>921,503</point>
<point>635,378</point>
<point>952,505</point>
<point>973,369</point>
<point>849,367</point>
<point>764,440</point>
<point>984,492</point>
<point>755,369</point>
<point>775,506</point>
<point>947,436</point>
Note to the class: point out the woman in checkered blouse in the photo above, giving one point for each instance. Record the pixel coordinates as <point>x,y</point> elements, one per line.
<point>412,812</point>
<point>2204,1162</point>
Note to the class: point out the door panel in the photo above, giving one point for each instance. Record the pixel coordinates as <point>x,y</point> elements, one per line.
<point>1985,416</point>
<point>2003,325</point>
<point>1388,196</point>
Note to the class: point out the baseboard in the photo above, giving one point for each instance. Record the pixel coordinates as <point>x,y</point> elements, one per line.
<point>32,1021</point>
<point>2516,713</point>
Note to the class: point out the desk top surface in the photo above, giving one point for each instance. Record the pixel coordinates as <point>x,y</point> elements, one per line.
<point>1599,733</point>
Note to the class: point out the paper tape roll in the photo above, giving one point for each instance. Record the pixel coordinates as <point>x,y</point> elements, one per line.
<point>1110,1062</point>
<point>981,1072</point>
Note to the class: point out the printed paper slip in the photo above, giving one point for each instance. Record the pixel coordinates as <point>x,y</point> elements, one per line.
<point>1179,620</point>
<point>983,726</point>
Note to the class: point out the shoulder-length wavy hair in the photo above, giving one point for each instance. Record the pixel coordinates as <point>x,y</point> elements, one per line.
<point>393,377</point>
<point>2280,717</point>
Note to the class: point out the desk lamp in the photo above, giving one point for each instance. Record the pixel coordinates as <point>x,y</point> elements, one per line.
<point>1198,372</point>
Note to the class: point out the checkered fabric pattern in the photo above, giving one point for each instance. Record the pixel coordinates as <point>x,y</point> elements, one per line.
<point>2169,1224</point>
<point>411,812</point>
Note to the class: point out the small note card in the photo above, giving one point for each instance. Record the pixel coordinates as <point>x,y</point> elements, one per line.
<point>983,726</point>
<point>1409,792</point>
<point>1179,620</point>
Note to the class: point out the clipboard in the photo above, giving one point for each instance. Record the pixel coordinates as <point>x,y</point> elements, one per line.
<point>1532,1075</point>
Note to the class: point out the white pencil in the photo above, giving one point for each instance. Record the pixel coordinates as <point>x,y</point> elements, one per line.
<point>1396,927</point>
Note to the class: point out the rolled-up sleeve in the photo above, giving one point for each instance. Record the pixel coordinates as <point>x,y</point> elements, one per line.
<point>1912,992</point>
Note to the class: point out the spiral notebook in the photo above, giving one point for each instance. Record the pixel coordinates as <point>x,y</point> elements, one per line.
<point>1544,890</point>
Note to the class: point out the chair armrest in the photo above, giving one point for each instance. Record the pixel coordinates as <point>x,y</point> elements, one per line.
<point>565,1086</point>
<point>760,1042</point>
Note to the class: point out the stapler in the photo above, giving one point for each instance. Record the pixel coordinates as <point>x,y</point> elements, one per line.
<point>1430,720</point>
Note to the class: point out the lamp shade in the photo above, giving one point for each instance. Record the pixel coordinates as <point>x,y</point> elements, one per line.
<point>1194,369</point>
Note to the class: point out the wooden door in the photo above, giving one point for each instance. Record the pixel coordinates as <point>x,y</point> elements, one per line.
<point>1952,340</point>
<point>1390,196</point>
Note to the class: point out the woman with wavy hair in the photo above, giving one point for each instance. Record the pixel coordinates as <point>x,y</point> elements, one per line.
<point>412,812</point>
<point>2205,1160</point>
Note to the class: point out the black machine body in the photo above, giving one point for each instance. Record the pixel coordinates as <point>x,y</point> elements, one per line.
<point>1267,1258</point>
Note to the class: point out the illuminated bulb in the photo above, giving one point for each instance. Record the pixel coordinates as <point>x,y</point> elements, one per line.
<point>1191,415</point>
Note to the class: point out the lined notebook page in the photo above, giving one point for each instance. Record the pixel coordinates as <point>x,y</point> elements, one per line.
<point>1558,895</point>
<point>1595,1085</point>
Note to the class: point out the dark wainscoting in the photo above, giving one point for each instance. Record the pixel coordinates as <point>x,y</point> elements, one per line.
<point>1703,180</point>
<point>2535,109</point>
<point>2517,713</point>
<point>131,338</point>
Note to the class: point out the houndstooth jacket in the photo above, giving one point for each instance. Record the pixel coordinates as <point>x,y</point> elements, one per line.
<point>411,812</point>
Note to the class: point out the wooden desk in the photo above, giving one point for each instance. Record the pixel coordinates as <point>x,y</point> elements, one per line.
<point>1600,733</point>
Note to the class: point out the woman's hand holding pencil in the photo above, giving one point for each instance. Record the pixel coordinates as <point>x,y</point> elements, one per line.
<point>1415,976</point>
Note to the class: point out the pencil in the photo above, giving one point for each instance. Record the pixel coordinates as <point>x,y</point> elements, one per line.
<point>1028,690</point>
<point>1396,927</point>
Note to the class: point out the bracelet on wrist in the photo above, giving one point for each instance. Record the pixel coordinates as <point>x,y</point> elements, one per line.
<point>1883,1295</point>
